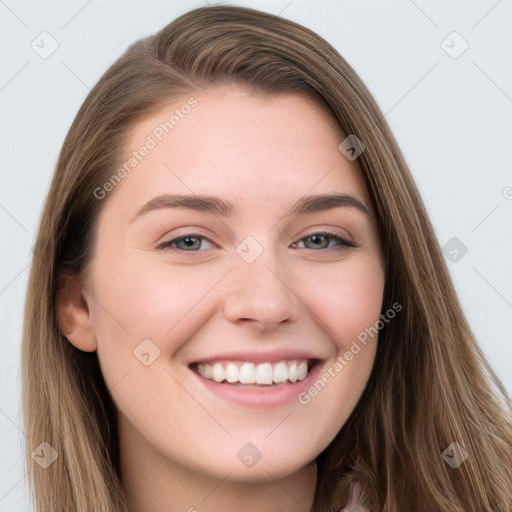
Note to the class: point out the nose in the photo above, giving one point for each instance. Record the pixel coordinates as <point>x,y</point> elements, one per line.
<point>260,295</point>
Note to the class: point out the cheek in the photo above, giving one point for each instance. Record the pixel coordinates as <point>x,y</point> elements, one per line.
<point>347,307</point>
<point>145,300</point>
<point>137,301</point>
<point>348,300</point>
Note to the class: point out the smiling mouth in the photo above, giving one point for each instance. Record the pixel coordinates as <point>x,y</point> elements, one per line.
<point>250,375</point>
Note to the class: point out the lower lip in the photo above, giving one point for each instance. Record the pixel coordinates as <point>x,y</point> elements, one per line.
<point>285,394</point>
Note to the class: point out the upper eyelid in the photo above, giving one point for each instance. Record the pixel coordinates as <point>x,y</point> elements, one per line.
<point>176,238</point>
<point>193,231</point>
<point>201,235</point>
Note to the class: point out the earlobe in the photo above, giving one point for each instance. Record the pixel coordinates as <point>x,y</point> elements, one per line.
<point>73,314</point>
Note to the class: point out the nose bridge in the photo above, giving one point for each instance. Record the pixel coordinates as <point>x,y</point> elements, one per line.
<point>260,290</point>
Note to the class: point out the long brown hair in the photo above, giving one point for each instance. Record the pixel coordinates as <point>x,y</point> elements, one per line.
<point>430,385</point>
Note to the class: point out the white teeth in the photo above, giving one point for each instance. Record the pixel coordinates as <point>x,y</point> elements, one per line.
<point>232,372</point>
<point>302,370</point>
<point>264,373</point>
<point>205,370</point>
<point>218,372</point>
<point>292,372</point>
<point>249,373</point>
<point>280,373</point>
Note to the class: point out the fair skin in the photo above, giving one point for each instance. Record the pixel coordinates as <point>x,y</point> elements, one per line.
<point>179,438</point>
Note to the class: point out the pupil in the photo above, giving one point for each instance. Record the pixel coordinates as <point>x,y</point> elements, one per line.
<point>189,241</point>
<point>317,239</point>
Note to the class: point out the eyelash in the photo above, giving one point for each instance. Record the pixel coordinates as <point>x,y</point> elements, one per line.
<point>342,243</point>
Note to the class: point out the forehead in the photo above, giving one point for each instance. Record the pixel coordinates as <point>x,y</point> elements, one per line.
<point>231,141</point>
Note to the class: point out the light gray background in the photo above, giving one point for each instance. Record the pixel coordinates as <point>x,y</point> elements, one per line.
<point>452,118</point>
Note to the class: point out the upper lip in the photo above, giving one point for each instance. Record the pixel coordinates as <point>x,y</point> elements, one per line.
<point>273,356</point>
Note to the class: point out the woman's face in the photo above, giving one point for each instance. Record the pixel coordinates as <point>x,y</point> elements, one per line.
<point>211,256</point>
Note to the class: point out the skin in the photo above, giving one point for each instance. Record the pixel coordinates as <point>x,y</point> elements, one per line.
<point>178,441</point>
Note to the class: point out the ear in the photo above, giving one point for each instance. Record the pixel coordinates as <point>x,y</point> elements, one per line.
<point>73,314</point>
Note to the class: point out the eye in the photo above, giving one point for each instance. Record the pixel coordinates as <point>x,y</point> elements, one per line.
<point>191,242</point>
<point>322,241</point>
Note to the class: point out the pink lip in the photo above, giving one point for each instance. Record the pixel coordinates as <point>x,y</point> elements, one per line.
<point>260,357</point>
<point>284,394</point>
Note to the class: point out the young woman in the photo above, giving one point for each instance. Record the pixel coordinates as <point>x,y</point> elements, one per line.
<point>237,298</point>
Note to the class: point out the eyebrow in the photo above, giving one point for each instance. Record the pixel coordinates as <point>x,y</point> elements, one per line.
<point>223,208</point>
